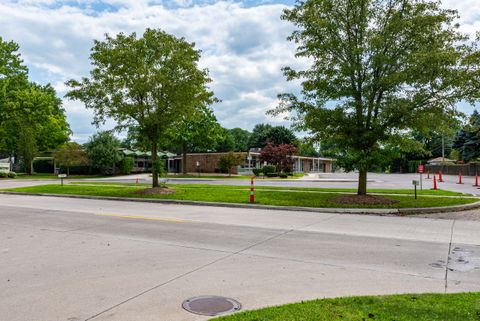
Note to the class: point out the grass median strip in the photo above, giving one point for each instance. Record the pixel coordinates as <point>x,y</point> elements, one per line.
<point>240,194</point>
<point>407,307</point>
<point>312,189</point>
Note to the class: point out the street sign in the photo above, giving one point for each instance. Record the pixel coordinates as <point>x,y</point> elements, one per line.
<point>62,176</point>
<point>421,169</point>
<point>4,167</point>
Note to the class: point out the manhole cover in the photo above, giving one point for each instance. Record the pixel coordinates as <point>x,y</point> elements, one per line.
<point>211,305</point>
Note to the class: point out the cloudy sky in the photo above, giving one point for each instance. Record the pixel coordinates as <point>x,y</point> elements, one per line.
<point>243,42</point>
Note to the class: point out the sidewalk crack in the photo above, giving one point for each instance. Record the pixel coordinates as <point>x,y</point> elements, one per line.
<point>448,255</point>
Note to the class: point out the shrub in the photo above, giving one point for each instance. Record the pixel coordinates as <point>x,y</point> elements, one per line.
<point>12,175</point>
<point>269,169</point>
<point>126,165</point>
<point>228,161</point>
<point>257,171</point>
<point>283,175</point>
<point>270,174</point>
<point>3,175</point>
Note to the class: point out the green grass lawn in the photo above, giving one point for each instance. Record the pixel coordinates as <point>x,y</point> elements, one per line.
<point>408,307</point>
<point>240,194</point>
<point>307,189</point>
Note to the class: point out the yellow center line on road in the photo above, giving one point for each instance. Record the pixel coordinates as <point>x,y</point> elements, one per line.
<point>146,218</point>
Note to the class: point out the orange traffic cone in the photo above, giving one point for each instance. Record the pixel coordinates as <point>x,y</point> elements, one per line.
<point>459,178</point>
<point>440,177</point>
<point>434,182</point>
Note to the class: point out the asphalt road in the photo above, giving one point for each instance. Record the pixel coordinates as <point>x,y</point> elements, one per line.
<point>72,259</point>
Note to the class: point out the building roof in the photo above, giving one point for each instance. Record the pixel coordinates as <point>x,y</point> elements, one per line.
<point>128,152</point>
<point>441,160</point>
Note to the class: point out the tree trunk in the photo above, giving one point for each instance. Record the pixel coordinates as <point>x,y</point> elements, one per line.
<point>362,182</point>
<point>154,166</point>
<point>184,159</point>
<point>68,170</point>
<point>28,167</point>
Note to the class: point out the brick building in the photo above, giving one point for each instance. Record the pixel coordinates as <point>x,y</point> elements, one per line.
<point>209,163</point>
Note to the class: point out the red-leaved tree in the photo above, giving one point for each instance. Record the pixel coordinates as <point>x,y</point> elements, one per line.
<point>280,156</point>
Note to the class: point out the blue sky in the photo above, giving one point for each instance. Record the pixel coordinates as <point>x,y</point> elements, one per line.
<point>243,42</point>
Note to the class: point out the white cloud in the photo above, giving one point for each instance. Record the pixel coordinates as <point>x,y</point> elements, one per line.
<point>243,47</point>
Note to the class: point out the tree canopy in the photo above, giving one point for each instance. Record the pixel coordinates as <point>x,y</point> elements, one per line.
<point>149,82</point>
<point>467,139</point>
<point>198,131</point>
<point>263,134</point>
<point>70,154</point>
<point>102,151</point>
<point>385,68</point>
<point>32,118</point>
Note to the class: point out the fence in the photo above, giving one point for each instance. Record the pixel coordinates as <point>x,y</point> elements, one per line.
<point>453,169</point>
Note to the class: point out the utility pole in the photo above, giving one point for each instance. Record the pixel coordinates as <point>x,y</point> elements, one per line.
<point>443,149</point>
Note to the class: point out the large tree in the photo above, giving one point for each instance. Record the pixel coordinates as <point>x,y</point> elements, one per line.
<point>148,82</point>
<point>33,121</point>
<point>385,67</point>
<point>259,136</point>
<point>241,138</point>
<point>227,141</point>
<point>31,116</point>
<point>263,134</point>
<point>70,154</point>
<point>467,139</point>
<point>102,151</point>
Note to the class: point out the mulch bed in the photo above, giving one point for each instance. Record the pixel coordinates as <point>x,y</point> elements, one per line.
<point>155,191</point>
<point>363,200</point>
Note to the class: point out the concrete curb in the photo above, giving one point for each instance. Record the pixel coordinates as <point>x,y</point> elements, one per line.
<point>371,211</point>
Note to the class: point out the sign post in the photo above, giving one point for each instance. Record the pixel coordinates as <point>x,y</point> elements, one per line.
<point>62,176</point>
<point>252,193</point>
<point>415,183</point>
<point>421,170</point>
<point>249,158</point>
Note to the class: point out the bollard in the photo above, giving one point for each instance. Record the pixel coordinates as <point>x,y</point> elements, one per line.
<point>476,180</point>
<point>440,177</point>
<point>459,178</point>
<point>252,194</point>
<point>434,182</point>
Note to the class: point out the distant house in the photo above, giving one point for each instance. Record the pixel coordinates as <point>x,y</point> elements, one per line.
<point>440,161</point>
